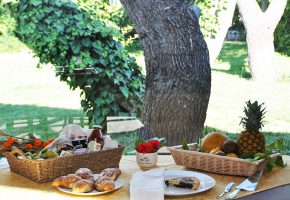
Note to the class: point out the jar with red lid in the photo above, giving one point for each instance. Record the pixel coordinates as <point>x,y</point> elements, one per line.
<point>97,135</point>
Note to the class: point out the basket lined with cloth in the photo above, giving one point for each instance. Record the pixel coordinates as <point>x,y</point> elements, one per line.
<point>42,171</point>
<point>214,163</point>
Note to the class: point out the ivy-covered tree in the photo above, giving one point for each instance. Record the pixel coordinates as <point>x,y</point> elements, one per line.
<point>86,52</point>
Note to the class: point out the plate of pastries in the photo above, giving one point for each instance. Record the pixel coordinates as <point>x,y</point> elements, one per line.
<point>85,182</point>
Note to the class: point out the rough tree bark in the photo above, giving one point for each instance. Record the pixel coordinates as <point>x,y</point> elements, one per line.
<point>225,21</point>
<point>260,27</point>
<point>178,77</point>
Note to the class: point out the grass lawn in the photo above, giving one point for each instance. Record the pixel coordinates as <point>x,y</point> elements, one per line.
<point>34,100</point>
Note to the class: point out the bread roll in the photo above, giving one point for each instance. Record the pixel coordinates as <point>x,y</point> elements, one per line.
<point>85,173</point>
<point>66,181</point>
<point>104,184</point>
<point>57,182</point>
<point>112,173</point>
<point>83,186</point>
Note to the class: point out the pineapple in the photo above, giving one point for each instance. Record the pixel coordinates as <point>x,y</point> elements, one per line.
<point>251,140</point>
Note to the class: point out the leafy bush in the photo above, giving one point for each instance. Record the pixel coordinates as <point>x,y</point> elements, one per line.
<point>7,23</point>
<point>282,33</point>
<point>209,18</point>
<point>75,41</point>
<point>118,18</point>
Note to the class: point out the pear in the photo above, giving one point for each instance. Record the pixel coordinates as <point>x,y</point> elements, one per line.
<point>36,157</point>
<point>51,154</point>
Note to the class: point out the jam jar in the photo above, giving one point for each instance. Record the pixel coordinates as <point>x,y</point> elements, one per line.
<point>97,135</point>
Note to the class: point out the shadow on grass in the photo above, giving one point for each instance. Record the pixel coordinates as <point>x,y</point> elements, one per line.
<point>234,53</point>
<point>43,122</point>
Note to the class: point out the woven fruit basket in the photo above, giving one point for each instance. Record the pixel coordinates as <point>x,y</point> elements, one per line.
<point>214,163</point>
<point>42,171</point>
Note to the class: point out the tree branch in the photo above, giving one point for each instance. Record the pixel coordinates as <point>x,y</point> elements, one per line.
<point>249,10</point>
<point>275,12</point>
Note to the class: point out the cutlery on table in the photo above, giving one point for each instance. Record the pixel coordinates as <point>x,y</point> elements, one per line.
<point>227,189</point>
<point>250,184</point>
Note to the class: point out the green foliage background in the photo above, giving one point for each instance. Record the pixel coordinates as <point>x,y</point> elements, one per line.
<point>209,18</point>
<point>7,23</point>
<point>282,32</point>
<point>75,36</point>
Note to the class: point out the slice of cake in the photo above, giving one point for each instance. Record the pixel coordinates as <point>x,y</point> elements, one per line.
<point>184,182</point>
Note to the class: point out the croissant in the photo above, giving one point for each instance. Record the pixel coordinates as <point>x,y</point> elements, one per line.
<point>112,173</point>
<point>104,184</point>
<point>57,182</point>
<point>83,186</point>
<point>66,181</point>
<point>97,177</point>
<point>85,173</point>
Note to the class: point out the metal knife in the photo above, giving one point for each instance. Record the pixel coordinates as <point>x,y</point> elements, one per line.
<point>250,184</point>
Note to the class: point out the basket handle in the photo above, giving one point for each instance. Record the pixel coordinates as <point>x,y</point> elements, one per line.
<point>17,152</point>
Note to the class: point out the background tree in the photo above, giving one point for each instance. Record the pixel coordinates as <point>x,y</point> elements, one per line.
<point>282,33</point>
<point>215,20</point>
<point>178,77</point>
<point>260,27</point>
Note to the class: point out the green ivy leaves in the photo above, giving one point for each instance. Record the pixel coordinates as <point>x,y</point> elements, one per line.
<point>72,37</point>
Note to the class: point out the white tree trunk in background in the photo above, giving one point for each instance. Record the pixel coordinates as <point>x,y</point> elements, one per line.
<point>260,27</point>
<point>225,21</point>
<point>115,3</point>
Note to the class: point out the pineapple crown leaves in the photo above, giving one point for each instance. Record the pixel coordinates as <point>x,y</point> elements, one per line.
<point>254,115</point>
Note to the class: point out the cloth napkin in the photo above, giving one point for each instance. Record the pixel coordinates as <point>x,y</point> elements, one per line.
<point>147,185</point>
<point>3,163</point>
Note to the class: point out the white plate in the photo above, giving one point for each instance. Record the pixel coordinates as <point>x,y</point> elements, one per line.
<point>206,182</point>
<point>118,183</point>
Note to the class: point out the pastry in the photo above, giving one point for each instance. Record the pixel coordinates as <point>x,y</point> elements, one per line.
<point>104,184</point>
<point>184,182</point>
<point>97,177</point>
<point>112,173</point>
<point>66,181</point>
<point>107,185</point>
<point>83,186</point>
<point>85,173</point>
<point>57,182</point>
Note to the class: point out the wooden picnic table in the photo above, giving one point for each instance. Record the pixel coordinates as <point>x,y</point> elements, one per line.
<point>13,186</point>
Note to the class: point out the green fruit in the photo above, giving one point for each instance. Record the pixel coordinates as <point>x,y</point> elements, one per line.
<point>43,155</point>
<point>36,157</point>
<point>67,154</point>
<point>51,154</point>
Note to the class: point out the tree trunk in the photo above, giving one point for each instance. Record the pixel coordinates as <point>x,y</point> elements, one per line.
<point>225,21</point>
<point>260,27</point>
<point>178,77</point>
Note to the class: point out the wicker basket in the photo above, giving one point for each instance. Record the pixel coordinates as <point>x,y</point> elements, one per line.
<point>214,163</point>
<point>42,171</point>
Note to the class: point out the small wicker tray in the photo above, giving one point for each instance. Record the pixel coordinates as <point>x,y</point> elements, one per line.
<point>42,171</point>
<point>214,163</point>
